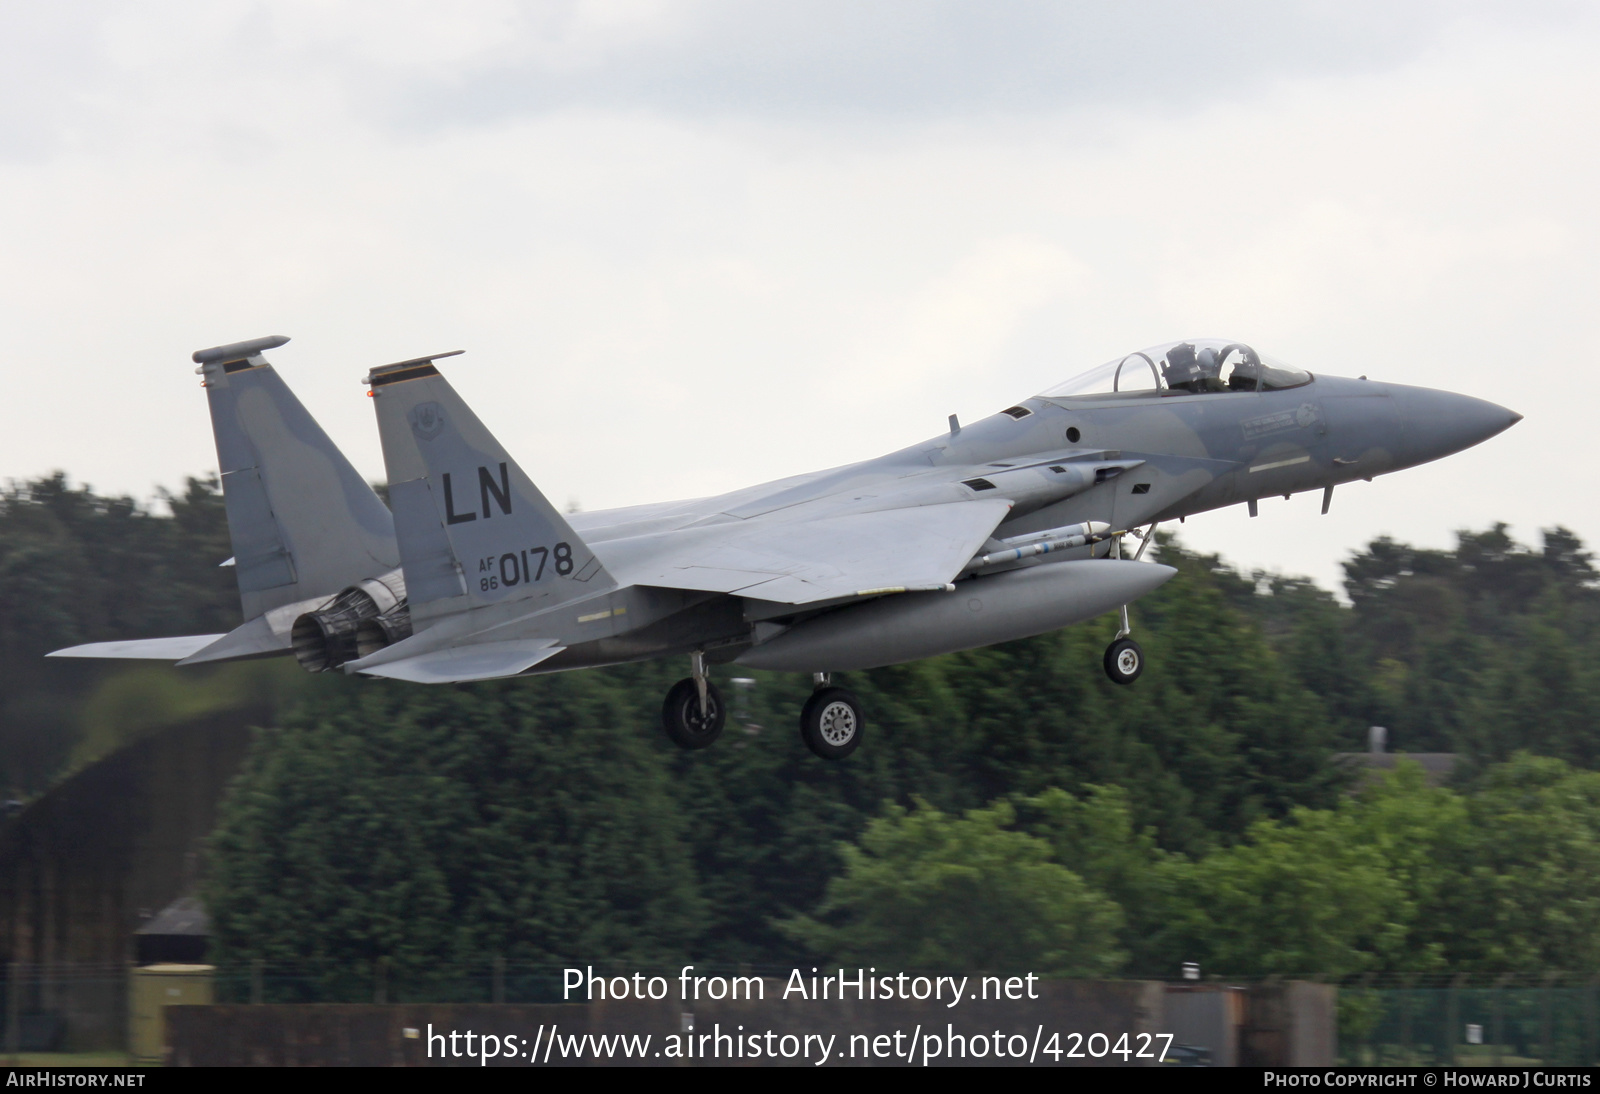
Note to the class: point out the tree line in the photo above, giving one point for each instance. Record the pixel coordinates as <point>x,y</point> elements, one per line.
<point>1008,808</point>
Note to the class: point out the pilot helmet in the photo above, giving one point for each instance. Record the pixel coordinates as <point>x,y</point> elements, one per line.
<point>1180,367</point>
<point>1209,364</point>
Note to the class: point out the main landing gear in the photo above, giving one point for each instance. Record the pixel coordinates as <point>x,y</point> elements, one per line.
<point>831,722</point>
<point>694,713</point>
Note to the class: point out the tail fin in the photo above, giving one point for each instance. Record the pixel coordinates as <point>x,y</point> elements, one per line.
<point>304,525</point>
<point>473,528</point>
<point>303,522</point>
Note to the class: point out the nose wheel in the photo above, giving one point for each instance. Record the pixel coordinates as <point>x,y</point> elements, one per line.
<point>1124,661</point>
<point>831,723</point>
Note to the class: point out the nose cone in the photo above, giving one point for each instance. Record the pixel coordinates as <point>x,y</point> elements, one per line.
<point>1434,424</point>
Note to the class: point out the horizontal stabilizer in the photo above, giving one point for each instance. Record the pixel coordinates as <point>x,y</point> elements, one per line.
<point>484,661</point>
<point>253,638</point>
<point>142,649</point>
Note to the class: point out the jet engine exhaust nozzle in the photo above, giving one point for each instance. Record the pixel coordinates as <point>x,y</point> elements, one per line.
<point>325,639</point>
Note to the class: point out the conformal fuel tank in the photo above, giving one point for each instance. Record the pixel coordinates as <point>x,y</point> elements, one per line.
<point>985,610</point>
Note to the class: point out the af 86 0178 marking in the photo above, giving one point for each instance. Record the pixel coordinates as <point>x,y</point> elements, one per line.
<point>513,567</point>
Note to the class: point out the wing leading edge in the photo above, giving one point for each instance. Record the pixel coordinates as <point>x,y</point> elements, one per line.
<point>795,562</point>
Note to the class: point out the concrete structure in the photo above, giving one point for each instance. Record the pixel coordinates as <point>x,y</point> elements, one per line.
<point>1290,1023</point>
<point>1206,1016</point>
<point>1437,767</point>
<point>154,988</point>
<point>89,863</point>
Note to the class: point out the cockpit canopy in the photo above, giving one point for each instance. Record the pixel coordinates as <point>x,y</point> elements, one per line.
<point>1202,366</point>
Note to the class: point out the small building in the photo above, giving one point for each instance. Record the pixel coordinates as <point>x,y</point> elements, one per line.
<point>1437,767</point>
<point>176,935</point>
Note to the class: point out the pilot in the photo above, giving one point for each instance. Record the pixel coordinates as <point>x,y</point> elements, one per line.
<point>1246,375</point>
<point>1181,370</point>
<point>1210,366</point>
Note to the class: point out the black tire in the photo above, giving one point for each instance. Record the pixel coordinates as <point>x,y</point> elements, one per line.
<point>1124,661</point>
<point>683,720</point>
<point>831,723</point>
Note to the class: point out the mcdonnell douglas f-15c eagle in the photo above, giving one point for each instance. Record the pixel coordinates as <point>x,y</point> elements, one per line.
<point>1006,528</point>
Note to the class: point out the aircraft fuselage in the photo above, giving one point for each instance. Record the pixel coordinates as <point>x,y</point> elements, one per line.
<point>1125,460</point>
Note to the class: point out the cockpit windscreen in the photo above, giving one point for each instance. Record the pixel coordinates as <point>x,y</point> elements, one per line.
<point>1204,366</point>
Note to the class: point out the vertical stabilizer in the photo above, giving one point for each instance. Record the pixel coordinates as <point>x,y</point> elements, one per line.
<point>304,524</point>
<point>473,529</point>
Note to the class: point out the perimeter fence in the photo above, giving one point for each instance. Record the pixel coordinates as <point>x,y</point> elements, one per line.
<point>1510,1019</point>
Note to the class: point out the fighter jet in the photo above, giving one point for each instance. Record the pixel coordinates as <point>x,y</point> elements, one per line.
<point>1030,520</point>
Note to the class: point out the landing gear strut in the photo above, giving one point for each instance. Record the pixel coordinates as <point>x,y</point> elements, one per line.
<point>694,712</point>
<point>831,722</point>
<point>1124,660</point>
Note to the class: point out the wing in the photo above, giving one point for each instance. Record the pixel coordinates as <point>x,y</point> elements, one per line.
<point>801,562</point>
<point>143,649</point>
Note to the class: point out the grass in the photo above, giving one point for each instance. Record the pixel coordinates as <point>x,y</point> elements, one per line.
<point>67,1059</point>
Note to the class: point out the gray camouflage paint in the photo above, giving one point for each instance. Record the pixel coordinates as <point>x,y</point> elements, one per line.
<point>1138,458</point>
<point>762,575</point>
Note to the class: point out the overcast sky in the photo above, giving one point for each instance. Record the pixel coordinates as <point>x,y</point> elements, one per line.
<point>691,246</point>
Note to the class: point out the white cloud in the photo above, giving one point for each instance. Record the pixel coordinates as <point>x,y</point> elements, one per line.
<point>663,302</point>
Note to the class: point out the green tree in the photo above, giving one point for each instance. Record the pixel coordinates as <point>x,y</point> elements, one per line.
<point>1094,835</point>
<point>78,567</point>
<point>1500,876</point>
<point>1322,891</point>
<point>1482,650</point>
<point>924,889</point>
<point>524,819</point>
<point>1422,833</point>
<point>1527,888</point>
<point>1296,897</point>
<point>1540,691</point>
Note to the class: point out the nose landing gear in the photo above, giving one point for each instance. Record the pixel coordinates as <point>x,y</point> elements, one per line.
<point>1124,660</point>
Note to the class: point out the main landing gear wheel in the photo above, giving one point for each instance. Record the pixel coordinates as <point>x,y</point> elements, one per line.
<point>1124,661</point>
<point>831,723</point>
<point>685,722</point>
